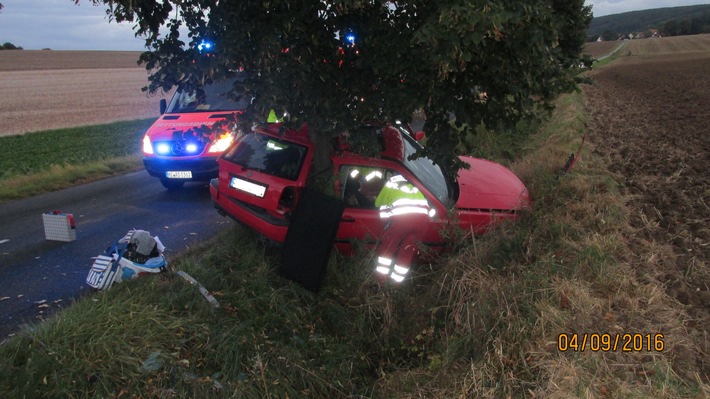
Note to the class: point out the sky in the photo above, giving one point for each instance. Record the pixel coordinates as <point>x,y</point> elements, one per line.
<point>62,25</point>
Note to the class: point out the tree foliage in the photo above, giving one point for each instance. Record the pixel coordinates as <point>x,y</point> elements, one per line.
<point>698,24</point>
<point>9,46</point>
<point>486,62</point>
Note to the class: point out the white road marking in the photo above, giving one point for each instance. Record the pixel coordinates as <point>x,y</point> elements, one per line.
<point>4,241</point>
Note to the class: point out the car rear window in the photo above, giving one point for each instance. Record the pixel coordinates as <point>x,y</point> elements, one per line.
<point>268,155</point>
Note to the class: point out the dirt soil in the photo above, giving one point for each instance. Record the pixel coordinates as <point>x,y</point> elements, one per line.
<point>650,116</point>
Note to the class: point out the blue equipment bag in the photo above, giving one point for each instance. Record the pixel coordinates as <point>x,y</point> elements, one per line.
<point>134,255</point>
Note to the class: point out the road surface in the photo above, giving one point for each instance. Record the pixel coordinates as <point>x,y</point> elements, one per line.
<point>38,276</point>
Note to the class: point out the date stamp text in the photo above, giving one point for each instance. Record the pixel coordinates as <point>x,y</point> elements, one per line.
<point>613,342</point>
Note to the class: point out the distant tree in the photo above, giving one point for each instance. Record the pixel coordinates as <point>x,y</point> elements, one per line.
<point>609,35</point>
<point>9,46</point>
<point>484,61</point>
<point>573,19</point>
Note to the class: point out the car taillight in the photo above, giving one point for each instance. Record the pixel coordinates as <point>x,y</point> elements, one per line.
<point>287,201</point>
<point>147,146</point>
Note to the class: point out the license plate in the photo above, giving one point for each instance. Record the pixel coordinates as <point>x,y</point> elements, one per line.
<point>247,186</point>
<point>178,174</point>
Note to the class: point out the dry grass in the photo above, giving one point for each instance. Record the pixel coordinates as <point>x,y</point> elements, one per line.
<point>42,90</point>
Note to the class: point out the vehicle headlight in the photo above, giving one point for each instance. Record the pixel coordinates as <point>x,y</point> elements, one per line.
<point>222,143</point>
<point>147,145</point>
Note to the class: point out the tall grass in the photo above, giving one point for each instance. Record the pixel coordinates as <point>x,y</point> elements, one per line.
<point>479,323</point>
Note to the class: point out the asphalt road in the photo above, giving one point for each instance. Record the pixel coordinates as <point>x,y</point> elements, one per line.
<point>38,276</point>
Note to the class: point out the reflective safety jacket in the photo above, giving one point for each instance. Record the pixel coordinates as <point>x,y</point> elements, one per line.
<point>407,210</point>
<point>399,197</point>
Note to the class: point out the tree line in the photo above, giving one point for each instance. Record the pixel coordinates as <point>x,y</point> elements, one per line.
<point>669,21</point>
<point>687,26</point>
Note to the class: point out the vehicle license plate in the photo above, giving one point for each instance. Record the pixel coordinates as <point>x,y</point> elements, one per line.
<point>247,186</point>
<point>178,174</point>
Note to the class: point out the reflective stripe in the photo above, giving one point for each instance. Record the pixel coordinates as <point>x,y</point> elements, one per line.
<point>354,173</point>
<point>397,278</point>
<point>382,269</point>
<point>404,210</point>
<point>410,201</point>
<point>384,261</point>
<point>401,269</point>
<point>372,175</point>
<point>408,209</point>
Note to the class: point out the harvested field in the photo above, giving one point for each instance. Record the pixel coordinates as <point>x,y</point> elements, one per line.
<point>659,46</point>
<point>649,114</point>
<point>41,90</point>
<point>670,45</point>
<point>24,60</point>
<point>600,49</point>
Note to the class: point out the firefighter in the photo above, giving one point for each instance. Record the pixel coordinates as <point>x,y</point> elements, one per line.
<point>407,213</point>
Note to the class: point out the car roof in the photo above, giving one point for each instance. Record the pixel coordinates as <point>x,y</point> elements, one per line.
<point>279,130</point>
<point>390,138</point>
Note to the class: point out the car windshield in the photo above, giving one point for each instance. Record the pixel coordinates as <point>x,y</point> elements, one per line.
<point>269,155</point>
<point>214,97</point>
<point>429,174</point>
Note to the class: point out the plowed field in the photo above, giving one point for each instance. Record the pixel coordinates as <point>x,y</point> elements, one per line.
<point>41,90</point>
<point>650,116</point>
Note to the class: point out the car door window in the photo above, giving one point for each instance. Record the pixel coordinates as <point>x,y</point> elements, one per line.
<point>360,185</point>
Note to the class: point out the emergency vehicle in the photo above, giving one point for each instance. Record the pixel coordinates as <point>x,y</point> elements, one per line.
<point>263,172</point>
<point>185,141</point>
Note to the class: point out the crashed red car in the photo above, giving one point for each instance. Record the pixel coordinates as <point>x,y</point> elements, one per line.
<point>262,174</point>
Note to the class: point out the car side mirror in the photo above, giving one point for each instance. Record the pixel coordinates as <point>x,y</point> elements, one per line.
<point>163,106</point>
<point>419,136</point>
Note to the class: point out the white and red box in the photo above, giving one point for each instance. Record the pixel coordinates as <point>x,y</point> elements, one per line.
<point>59,226</point>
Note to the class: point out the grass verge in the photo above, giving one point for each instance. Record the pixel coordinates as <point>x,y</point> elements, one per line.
<point>39,162</point>
<point>482,322</point>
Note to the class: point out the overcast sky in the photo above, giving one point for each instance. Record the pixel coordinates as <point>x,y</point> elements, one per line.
<point>61,25</point>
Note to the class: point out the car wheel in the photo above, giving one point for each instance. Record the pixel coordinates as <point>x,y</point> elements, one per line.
<point>172,184</point>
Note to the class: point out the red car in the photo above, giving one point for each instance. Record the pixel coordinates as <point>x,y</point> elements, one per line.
<point>182,145</point>
<point>262,174</point>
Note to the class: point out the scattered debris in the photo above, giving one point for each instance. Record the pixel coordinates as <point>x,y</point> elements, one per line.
<point>152,363</point>
<point>136,254</point>
<point>211,299</point>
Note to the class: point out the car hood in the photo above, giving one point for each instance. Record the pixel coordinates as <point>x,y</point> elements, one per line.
<point>168,124</point>
<point>487,185</point>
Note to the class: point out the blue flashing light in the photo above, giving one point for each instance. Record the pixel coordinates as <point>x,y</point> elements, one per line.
<point>191,148</point>
<point>350,38</point>
<point>205,46</point>
<point>162,148</point>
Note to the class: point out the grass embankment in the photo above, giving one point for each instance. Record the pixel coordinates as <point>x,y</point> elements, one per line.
<point>35,163</point>
<point>483,322</point>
